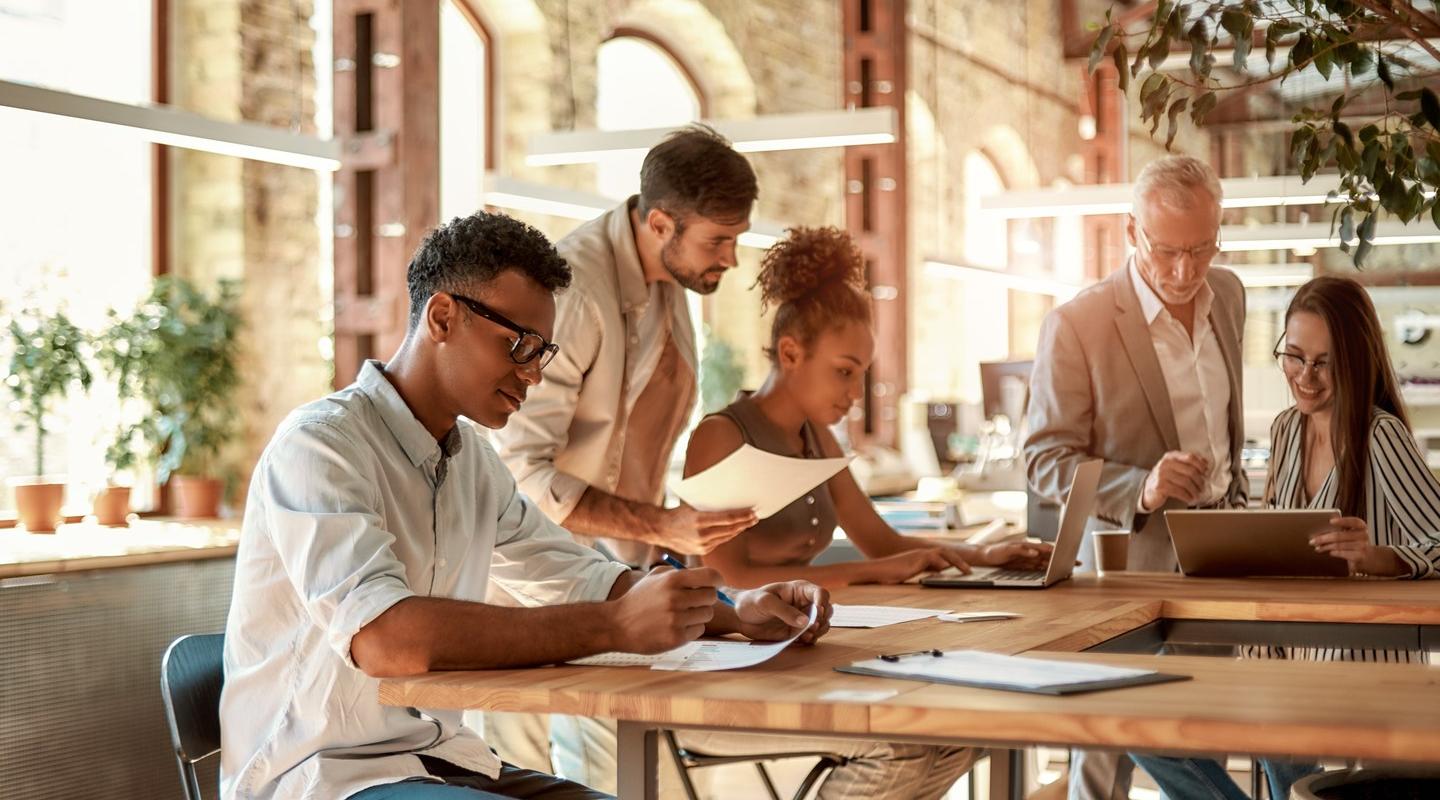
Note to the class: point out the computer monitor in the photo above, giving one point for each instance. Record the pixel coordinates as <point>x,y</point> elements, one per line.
<point>992,375</point>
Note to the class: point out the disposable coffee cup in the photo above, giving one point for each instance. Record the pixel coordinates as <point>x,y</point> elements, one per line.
<point>1112,551</point>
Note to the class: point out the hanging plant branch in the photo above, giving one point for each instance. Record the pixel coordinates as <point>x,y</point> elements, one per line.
<point>1390,165</point>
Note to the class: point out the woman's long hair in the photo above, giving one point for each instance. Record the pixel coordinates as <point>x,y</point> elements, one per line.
<point>1361,378</point>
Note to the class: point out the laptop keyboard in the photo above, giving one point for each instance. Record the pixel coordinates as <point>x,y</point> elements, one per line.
<point>1018,575</point>
<point>994,574</point>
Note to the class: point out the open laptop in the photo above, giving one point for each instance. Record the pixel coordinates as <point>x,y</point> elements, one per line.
<point>1256,543</point>
<point>1078,505</point>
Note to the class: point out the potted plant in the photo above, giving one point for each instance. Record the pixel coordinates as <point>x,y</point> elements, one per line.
<point>46,359</point>
<point>177,354</point>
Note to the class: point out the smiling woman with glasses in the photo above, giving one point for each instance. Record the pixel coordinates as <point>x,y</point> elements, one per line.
<point>528,345</point>
<point>1345,444</point>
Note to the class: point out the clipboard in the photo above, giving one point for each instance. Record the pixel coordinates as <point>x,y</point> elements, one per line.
<point>982,670</point>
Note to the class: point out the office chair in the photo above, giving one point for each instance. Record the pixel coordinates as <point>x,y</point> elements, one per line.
<point>686,760</point>
<point>191,674</point>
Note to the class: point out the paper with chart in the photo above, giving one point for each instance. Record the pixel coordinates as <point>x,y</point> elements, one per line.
<point>701,656</point>
<point>879,616</point>
<point>753,478</point>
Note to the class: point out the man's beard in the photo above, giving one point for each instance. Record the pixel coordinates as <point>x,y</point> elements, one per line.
<point>695,282</point>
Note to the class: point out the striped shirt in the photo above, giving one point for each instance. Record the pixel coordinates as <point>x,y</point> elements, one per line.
<point>1402,509</point>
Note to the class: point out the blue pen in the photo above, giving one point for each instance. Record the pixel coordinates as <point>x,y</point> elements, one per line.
<point>675,562</point>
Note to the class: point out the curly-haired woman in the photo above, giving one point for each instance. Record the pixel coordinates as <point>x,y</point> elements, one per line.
<point>820,347</point>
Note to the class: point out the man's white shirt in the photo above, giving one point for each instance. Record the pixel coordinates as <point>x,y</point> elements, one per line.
<point>354,507</point>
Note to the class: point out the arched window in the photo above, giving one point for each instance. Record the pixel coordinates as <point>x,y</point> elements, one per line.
<point>464,117</point>
<point>638,85</point>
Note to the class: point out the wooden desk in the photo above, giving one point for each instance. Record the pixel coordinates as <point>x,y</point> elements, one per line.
<point>1382,712</point>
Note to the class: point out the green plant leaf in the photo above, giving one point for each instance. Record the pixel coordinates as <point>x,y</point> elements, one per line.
<point>1120,57</point>
<point>1435,210</point>
<point>1413,94</point>
<point>1382,69</point>
<point>1302,50</point>
<point>1203,105</point>
<point>1366,233</point>
<point>1347,224</point>
<point>1097,52</point>
<point>1361,62</point>
<point>1325,63</point>
<point>1174,112</point>
<point>1299,141</point>
<point>1159,51</point>
<point>1428,169</point>
<point>1343,131</point>
<point>1430,107</point>
<point>1234,21</point>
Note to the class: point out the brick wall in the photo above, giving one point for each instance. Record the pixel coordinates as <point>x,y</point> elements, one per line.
<point>234,218</point>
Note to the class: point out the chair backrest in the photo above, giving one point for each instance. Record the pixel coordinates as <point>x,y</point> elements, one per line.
<point>191,674</point>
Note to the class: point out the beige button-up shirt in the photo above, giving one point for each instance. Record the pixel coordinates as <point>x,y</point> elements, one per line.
<point>1197,380</point>
<point>612,329</point>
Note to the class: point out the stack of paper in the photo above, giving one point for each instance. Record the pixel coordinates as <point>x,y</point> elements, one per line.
<point>878,616</point>
<point>700,656</point>
<point>1013,673</point>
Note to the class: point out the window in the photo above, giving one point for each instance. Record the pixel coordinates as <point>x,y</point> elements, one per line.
<point>75,216</point>
<point>462,112</point>
<point>639,85</point>
<point>983,309</point>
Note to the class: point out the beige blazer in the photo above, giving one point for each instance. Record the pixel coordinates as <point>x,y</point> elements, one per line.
<point>570,433</point>
<point>1097,392</point>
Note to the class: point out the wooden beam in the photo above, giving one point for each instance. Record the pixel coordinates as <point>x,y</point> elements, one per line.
<point>875,70</point>
<point>387,112</point>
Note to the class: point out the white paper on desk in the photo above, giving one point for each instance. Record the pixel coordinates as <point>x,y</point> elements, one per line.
<point>753,478</point>
<point>701,656</point>
<point>1017,671</point>
<point>878,616</point>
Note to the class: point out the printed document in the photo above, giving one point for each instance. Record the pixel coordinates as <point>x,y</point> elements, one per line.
<point>753,478</point>
<point>879,616</point>
<point>705,656</point>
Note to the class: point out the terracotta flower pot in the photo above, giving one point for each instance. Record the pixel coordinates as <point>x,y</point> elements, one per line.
<point>112,506</point>
<point>37,504</point>
<point>195,497</point>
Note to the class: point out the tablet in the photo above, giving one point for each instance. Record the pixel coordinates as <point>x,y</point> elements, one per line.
<point>1252,543</point>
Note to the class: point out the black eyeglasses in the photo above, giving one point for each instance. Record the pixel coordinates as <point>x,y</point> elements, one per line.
<point>528,345</point>
<point>1294,365</point>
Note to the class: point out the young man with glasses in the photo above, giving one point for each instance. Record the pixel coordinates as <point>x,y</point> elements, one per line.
<point>1143,370</point>
<point>378,520</point>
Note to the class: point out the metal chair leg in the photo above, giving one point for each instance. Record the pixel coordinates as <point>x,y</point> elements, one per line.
<point>765,779</point>
<point>813,777</point>
<point>680,766</point>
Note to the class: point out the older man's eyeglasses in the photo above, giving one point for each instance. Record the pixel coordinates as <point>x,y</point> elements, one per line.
<point>1165,254</point>
<point>528,345</point>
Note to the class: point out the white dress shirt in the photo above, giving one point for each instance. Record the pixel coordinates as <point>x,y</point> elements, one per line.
<point>354,507</point>
<point>1197,381</point>
<point>611,327</point>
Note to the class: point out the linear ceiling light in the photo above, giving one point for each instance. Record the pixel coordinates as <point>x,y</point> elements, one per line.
<point>169,126</point>
<point>766,133</point>
<point>1240,238</point>
<point>1005,280</point>
<point>1115,198</point>
<point>1273,275</point>
<point>505,192</point>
